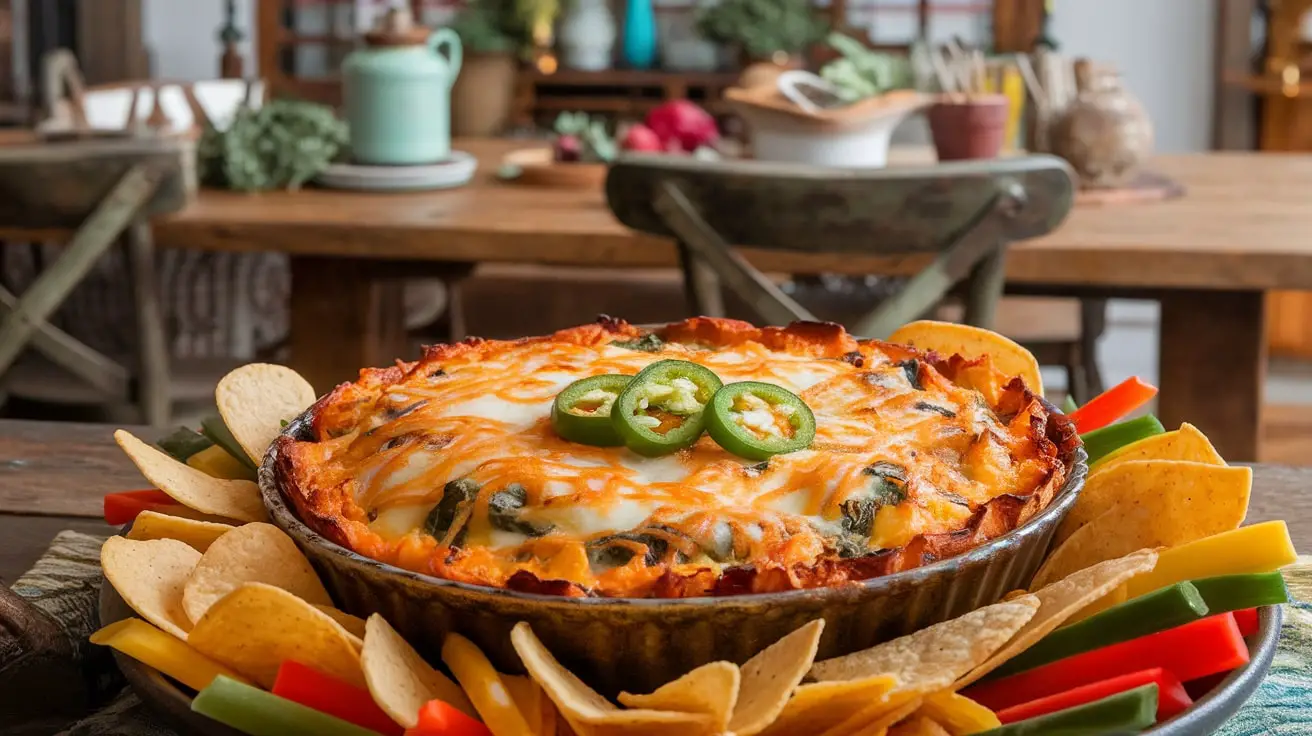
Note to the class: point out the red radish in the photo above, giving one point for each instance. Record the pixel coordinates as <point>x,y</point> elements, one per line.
<point>684,122</point>
<point>641,138</point>
<point>567,148</point>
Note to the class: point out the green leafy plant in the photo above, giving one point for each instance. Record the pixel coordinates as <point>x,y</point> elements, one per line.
<point>862,72</point>
<point>480,31</point>
<point>597,146</point>
<point>762,28</point>
<point>282,145</point>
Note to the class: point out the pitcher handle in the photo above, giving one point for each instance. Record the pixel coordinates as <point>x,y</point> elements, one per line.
<point>448,38</point>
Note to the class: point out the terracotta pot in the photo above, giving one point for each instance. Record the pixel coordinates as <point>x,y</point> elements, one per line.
<point>482,95</point>
<point>969,127</point>
<point>1105,134</point>
<point>765,72</point>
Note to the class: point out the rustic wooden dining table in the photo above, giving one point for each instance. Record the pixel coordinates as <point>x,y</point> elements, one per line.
<point>1209,258</point>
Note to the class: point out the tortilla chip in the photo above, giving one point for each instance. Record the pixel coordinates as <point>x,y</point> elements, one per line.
<point>354,625</point>
<point>1219,489</point>
<point>1060,600</point>
<point>958,714</point>
<point>197,534</point>
<point>877,718</point>
<point>150,576</point>
<point>528,698</point>
<point>950,338</point>
<point>934,657</point>
<point>918,725</point>
<point>820,705</point>
<point>230,499</point>
<point>400,680</point>
<point>1172,513</point>
<point>257,627</point>
<point>1185,443</point>
<point>1116,597</point>
<point>254,401</point>
<point>770,677</point>
<point>711,689</point>
<point>587,712</point>
<point>254,553</point>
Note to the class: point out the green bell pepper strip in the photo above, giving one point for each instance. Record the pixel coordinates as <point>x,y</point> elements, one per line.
<point>1102,442</point>
<point>1129,712</point>
<point>678,390</point>
<point>581,412</point>
<point>182,443</point>
<point>1068,404</point>
<point>1238,592</point>
<point>218,432</point>
<point>1162,609</point>
<point>724,420</point>
<point>259,713</point>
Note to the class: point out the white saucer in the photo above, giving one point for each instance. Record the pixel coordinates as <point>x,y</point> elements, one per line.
<point>453,172</point>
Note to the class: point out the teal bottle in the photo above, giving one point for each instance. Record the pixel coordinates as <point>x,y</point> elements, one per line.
<point>639,43</point>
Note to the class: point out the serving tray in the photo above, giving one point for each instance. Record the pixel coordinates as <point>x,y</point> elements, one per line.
<point>173,703</point>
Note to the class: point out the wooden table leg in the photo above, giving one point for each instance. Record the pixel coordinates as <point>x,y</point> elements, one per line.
<point>346,314</point>
<point>1213,367</point>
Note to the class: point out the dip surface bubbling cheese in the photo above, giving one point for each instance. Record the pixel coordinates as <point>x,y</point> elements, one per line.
<point>450,466</point>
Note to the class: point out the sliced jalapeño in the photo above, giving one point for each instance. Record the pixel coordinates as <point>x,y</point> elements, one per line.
<point>757,420</point>
<point>581,412</point>
<point>662,410</point>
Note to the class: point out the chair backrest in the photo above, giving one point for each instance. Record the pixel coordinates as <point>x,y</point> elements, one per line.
<point>55,186</point>
<point>896,210</point>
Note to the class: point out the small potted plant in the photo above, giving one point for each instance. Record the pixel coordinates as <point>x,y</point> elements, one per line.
<point>482,96</point>
<point>774,31</point>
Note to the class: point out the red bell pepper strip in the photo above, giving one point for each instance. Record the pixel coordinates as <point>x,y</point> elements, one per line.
<point>1171,696</point>
<point>120,508</point>
<point>1197,649</point>
<point>325,693</point>
<point>1246,619</point>
<point>437,718</point>
<point>1113,404</point>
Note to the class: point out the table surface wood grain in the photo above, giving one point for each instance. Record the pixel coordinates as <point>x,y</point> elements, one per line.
<point>53,475</point>
<point>1241,225</point>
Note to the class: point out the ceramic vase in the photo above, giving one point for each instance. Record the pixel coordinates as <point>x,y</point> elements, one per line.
<point>639,35</point>
<point>587,36</point>
<point>1105,134</point>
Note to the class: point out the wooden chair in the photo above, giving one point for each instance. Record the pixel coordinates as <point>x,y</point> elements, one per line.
<point>100,190</point>
<point>962,214</point>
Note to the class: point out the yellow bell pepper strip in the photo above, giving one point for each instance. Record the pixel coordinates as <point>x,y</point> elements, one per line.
<point>1129,712</point>
<point>1195,650</point>
<point>1113,404</point>
<point>1102,442</point>
<point>1258,548</point>
<point>314,689</point>
<point>122,507</point>
<point>162,651</point>
<point>258,713</point>
<point>1162,609</point>
<point>438,718</point>
<point>483,685</point>
<point>958,714</point>
<point>217,462</point>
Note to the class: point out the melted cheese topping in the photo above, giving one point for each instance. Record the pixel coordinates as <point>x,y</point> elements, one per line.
<point>900,451</point>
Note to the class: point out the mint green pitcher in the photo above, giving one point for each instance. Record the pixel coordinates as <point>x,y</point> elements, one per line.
<point>397,91</point>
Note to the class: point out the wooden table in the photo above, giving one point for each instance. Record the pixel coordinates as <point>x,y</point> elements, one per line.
<point>1209,258</point>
